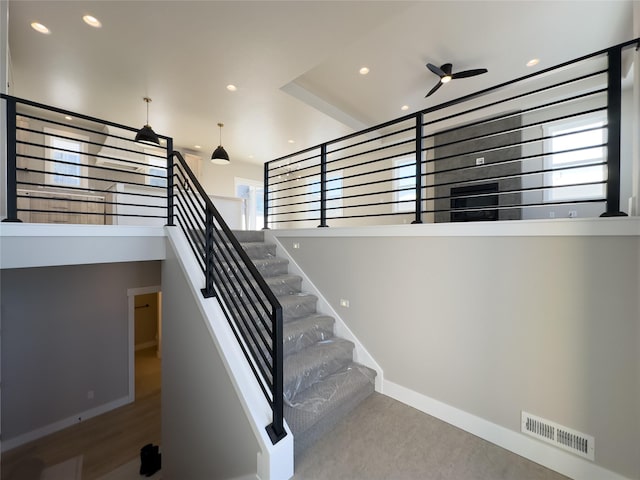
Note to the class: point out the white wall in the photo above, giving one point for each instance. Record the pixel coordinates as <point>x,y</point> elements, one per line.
<point>219,179</point>
<point>495,325</point>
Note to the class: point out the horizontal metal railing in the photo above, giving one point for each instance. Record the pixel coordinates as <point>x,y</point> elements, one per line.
<point>252,310</point>
<point>66,167</point>
<point>543,145</point>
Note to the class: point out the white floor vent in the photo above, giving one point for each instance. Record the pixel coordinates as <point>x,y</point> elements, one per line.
<point>562,437</point>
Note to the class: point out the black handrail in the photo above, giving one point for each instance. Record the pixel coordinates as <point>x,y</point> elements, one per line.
<point>252,310</point>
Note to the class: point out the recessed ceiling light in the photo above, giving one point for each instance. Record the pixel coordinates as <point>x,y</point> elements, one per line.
<point>92,21</point>
<point>364,71</point>
<point>232,88</point>
<point>291,141</point>
<point>197,146</point>
<point>250,156</point>
<point>404,108</point>
<point>67,117</point>
<point>38,27</point>
<point>533,62</point>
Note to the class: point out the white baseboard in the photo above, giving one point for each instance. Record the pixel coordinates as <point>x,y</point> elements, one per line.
<point>534,450</point>
<point>145,345</point>
<point>7,445</point>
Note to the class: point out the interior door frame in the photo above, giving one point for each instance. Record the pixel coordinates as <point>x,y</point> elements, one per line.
<point>131,295</point>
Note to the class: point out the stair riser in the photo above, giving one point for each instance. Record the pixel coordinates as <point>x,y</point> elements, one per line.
<point>260,250</point>
<point>248,236</point>
<point>298,336</point>
<point>305,307</point>
<point>272,270</point>
<point>326,361</point>
<point>289,286</point>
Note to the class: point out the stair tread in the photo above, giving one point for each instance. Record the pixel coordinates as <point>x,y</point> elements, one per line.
<point>303,369</point>
<point>319,400</point>
<point>304,332</point>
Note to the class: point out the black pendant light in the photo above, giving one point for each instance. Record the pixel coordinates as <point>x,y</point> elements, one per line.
<point>220,155</point>
<point>146,133</point>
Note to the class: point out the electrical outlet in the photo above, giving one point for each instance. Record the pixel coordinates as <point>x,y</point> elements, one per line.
<point>296,245</point>
<point>552,214</point>
<point>90,395</point>
<point>344,303</point>
<point>573,213</point>
<point>480,161</point>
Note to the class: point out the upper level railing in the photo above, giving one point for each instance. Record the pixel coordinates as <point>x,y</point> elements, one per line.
<point>543,145</point>
<point>65,167</point>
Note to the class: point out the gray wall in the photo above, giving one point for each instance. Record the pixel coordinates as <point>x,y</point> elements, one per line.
<point>205,433</point>
<point>64,333</point>
<point>496,325</point>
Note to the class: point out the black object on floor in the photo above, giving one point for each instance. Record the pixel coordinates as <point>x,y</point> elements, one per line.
<point>150,459</point>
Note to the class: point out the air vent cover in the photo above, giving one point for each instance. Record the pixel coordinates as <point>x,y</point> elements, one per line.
<point>558,435</point>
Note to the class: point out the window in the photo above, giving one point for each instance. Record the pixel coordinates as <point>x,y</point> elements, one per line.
<point>67,155</point>
<point>156,171</point>
<point>252,192</point>
<point>334,195</point>
<point>404,184</point>
<point>580,142</point>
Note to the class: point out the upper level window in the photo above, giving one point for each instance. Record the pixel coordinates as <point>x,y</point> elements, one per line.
<point>67,159</point>
<point>578,144</point>
<point>404,185</point>
<point>156,171</point>
<point>334,194</point>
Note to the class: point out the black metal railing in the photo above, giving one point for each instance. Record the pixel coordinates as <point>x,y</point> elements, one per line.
<point>66,167</point>
<point>543,145</point>
<point>252,310</point>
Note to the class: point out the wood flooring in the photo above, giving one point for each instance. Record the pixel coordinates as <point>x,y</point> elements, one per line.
<point>105,442</point>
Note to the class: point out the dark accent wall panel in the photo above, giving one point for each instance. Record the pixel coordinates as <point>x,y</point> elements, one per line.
<point>497,140</point>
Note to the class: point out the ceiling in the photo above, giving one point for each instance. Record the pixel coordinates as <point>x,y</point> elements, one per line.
<point>295,63</point>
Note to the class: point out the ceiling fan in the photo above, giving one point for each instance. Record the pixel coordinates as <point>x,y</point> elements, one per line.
<point>444,72</point>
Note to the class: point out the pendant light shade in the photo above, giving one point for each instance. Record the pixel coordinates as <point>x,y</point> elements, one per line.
<point>146,133</point>
<point>220,155</point>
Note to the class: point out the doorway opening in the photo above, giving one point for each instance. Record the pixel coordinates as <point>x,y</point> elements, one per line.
<point>145,342</point>
<point>252,192</point>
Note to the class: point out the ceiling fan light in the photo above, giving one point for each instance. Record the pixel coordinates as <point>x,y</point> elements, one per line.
<point>147,135</point>
<point>445,79</point>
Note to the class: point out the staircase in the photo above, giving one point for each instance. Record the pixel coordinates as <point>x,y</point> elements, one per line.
<point>322,383</point>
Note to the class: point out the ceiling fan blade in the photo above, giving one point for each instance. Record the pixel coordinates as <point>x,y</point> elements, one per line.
<point>469,73</point>
<point>433,90</point>
<point>437,70</point>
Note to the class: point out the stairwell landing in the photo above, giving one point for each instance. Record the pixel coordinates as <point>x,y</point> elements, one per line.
<point>322,383</point>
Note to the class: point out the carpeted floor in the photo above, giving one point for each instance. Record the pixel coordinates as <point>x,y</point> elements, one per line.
<point>385,439</point>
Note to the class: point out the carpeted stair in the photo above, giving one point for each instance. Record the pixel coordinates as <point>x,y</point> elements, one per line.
<point>322,383</point>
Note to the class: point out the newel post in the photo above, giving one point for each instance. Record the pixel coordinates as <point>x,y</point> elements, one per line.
<point>12,179</point>
<point>419,117</point>
<point>323,185</point>
<point>614,109</point>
